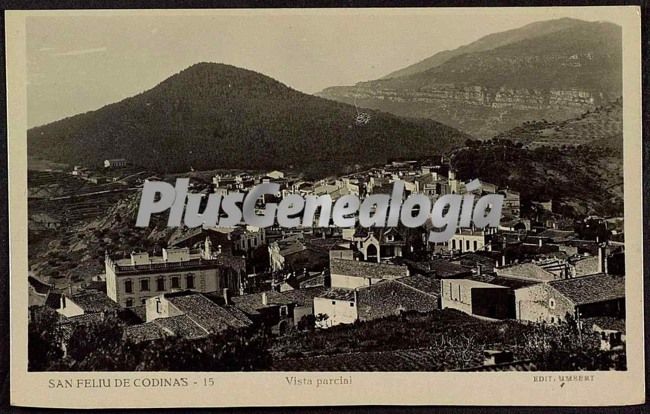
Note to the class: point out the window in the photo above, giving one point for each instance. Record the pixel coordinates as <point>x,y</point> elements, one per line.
<point>466,244</point>
<point>352,304</point>
<point>160,284</point>
<point>128,286</point>
<point>129,303</point>
<point>158,306</point>
<point>333,302</point>
<point>144,285</point>
<point>176,283</point>
<point>283,311</point>
<point>190,281</point>
<point>453,244</point>
<point>551,303</point>
<point>475,245</point>
<point>143,300</point>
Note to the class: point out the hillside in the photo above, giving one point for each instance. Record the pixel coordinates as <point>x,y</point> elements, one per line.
<point>559,70</point>
<point>580,180</point>
<point>219,116</point>
<point>601,127</point>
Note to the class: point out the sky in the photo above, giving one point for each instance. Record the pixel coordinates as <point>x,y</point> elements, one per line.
<point>77,63</point>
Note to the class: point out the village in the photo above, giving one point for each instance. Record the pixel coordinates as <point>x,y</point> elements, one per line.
<point>535,268</point>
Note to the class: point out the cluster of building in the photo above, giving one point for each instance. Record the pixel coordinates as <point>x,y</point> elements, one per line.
<point>201,284</point>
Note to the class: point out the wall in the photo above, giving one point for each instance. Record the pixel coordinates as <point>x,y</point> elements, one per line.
<point>162,310</point>
<point>205,280</point>
<point>351,282</point>
<point>455,295</point>
<point>541,303</point>
<point>339,311</point>
<point>71,309</point>
<point>460,242</point>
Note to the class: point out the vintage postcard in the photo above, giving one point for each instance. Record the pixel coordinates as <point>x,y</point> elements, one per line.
<point>291,207</point>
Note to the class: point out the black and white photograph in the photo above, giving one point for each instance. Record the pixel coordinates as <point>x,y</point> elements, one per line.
<point>332,193</point>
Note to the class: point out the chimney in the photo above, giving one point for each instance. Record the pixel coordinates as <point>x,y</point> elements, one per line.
<point>478,269</point>
<point>503,260</point>
<point>540,242</point>
<point>265,301</point>
<point>219,249</point>
<point>356,297</point>
<point>62,301</point>
<point>602,258</point>
<point>226,296</point>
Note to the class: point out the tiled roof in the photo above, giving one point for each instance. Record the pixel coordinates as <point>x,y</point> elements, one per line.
<point>439,267</point>
<point>302,297</point>
<point>390,298</point>
<point>338,294</point>
<point>526,271</point>
<point>208,314</point>
<point>487,260</point>
<point>181,326</point>
<point>428,285</point>
<point>144,332</point>
<point>92,301</point>
<point>252,303</point>
<point>85,319</point>
<point>367,269</point>
<point>591,289</point>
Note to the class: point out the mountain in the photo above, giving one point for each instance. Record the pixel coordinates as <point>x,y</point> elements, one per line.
<point>549,70</point>
<point>219,116</point>
<point>489,42</point>
<point>601,127</point>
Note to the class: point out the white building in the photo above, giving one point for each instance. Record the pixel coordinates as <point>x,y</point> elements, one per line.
<point>131,281</point>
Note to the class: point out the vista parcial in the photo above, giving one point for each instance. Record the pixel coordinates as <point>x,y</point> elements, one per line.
<point>377,210</point>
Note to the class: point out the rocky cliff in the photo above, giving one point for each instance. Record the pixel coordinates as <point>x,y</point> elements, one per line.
<point>553,76</point>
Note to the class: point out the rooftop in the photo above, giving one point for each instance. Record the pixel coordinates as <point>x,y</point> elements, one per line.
<point>428,285</point>
<point>251,304</point>
<point>144,332</point>
<point>302,297</point>
<point>92,301</point>
<point>338,294</point>
<point>591,289</point>
<point>439,267</point>
<point>391,298</point>
<point>367,269</point>
<point>181,326</point>
<point>206,313</point>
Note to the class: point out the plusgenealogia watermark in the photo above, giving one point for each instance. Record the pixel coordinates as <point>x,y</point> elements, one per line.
<point>294,210</point>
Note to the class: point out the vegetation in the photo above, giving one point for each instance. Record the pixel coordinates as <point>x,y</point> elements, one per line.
<point>602,127</point>
<point>580,180</point>
<point>218,116</point>
<point>441,340</point>
<point>99,346</point>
